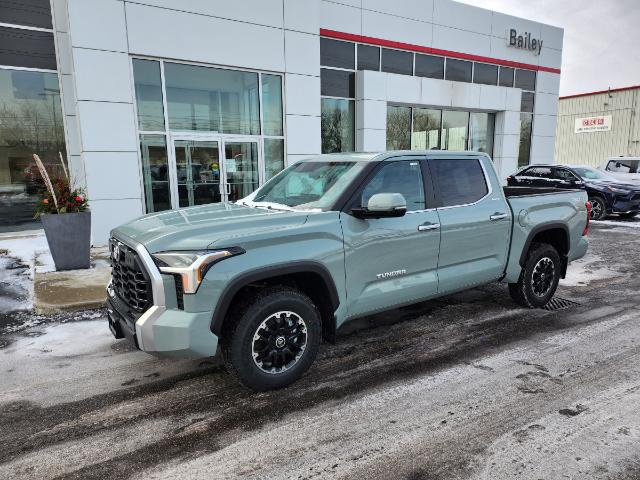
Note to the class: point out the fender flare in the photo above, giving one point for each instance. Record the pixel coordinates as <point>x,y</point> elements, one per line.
<point>246,278</point>
<point>540,229</point>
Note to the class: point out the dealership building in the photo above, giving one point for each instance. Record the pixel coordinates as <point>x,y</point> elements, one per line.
<point>162,104</point>
<point>593,127</point>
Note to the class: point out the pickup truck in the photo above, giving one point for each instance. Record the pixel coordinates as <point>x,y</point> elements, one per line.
<point>327,240</point>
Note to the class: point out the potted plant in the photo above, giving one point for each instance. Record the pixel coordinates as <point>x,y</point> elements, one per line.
<point>66,219</point>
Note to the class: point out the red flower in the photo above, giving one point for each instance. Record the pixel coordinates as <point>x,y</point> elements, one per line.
<point>78,199</point>
<point>45,201</point>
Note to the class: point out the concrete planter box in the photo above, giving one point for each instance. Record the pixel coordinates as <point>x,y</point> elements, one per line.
<point>69,239</point>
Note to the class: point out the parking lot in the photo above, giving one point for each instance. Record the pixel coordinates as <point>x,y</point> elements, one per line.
<point>468,386</point>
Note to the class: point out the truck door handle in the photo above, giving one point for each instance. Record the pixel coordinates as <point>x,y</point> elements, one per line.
<point>498,216</point>
<point>428,226</point>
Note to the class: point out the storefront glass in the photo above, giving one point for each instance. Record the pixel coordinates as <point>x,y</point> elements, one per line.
<point>426,129</point>
<point>337,125</point>
<point>481,127</point>
<point>454,130</point>
<point>398,128</point>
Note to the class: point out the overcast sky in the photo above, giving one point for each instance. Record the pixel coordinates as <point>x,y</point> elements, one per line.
<point>601,38</point>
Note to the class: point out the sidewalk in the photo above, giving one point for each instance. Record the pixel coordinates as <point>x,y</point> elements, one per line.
<point>31,282</point>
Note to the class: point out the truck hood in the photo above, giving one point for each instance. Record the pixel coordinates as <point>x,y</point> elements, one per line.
<point>206,226</point>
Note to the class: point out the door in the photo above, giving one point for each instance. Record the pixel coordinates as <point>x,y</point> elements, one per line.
<point>213,169</point>
<point>392,261</point>
<point>475,223</point>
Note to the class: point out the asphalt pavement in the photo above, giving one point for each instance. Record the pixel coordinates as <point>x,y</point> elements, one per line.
<point>465,387</point>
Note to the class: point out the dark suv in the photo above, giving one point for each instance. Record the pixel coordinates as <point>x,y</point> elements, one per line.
<point>607,195</point>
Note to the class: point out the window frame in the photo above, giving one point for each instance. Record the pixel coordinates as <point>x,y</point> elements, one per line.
<point>436,186</point>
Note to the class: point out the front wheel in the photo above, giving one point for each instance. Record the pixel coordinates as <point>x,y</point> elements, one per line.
<point>272,339</point>
<point>539,278</point>
<point>598,208</point>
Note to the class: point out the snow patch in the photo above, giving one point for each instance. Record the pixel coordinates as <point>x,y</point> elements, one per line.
<point>585,270</point>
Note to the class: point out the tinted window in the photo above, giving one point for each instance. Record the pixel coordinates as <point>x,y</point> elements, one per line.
<point>525,79</point>
<point>506,77</point>
<point>337,83</point>
<point>459,70</point>
<point>334,53</point>
<point>398,177</point>
<point>27,48</point>
<point>539,172</point>
<point>31,13</point>
<point>524,150</point>
<point>485,74</point>
<point>460,181</point>
<point>527,102</point>
<point>429,66</point>
<point>272,104</point>
<point>368,57</point>
<point>395,61</point>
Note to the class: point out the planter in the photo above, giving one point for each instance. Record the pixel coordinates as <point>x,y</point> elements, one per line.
<point>69,239</point>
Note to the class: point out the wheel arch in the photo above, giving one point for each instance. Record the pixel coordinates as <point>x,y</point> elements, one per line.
<point>312,278</point>
<point>554,234</point>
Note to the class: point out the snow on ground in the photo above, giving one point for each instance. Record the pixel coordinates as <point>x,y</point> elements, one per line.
<point>619,222</point>
<point>588,268</point>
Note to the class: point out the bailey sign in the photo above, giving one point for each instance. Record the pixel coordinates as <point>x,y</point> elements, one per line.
<point>525,42</point>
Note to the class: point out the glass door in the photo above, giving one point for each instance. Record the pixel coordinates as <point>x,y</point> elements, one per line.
<point>241,168</point>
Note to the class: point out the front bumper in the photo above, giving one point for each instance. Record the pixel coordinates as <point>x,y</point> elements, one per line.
<point>626,204</point>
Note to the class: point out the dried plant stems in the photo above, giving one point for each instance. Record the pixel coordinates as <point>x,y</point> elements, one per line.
<point>47,180</point>
<point>64,167</point>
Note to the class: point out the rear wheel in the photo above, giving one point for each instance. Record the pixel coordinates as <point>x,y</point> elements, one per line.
<point>272,339</point>
<point>539,278</point>
<point>598,208</point>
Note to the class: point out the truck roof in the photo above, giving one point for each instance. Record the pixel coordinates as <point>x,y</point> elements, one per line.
<point>380,156</point>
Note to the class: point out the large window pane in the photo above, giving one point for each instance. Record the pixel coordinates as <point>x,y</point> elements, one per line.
<point>525,79</point>
<point>335,53</point>
<point>398,128</point>
<point>272,105</point>
<point>368,57</point>
<point>212,99</point>
<point>429,66</point>
<point>481,128</point>
<point>485,74</point>
<point>526,122</point>
<point>146,74</point>
<point>27,48</point>
<point>458,70</point>
<point>32,13</point>
<point>527,102</point>
<point>155,172</point>
<point>506,77</point>
<point>273,156</point>
<point>454,130</point>
<point>338,125</point>
<point>337,83</point>
<point>460,181</point>
<point>426,129</point>
<point>396,61</point>
<point>30,122</point>
<point>241,168</point>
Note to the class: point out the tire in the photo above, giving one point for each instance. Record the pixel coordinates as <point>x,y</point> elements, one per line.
<point>628,215</point>
<point>539,278</point>
<point>282,327</point>
<point>598,208</point>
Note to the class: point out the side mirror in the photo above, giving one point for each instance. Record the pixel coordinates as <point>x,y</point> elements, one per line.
<point>383,205</point>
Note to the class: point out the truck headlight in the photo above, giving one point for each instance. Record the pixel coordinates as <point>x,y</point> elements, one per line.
<point>192,266</point>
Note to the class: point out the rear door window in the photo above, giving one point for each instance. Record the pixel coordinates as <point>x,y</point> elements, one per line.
<point>537,172</point>
<point>459,181</point>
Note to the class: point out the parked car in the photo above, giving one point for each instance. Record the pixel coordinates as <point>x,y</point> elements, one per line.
<point>607,195</point>
<point>327,240</point>
<point>624,168</point>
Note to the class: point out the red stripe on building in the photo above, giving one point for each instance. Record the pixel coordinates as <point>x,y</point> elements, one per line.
<point>381,42</point>
<point>612,90</point>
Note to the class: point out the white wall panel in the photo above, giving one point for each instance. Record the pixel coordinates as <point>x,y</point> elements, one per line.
<point>112,175</point>
<point>371,140</point>
<point>108,214</point>
<point>506,145</point>
<point>436,92</point>
<point>152,31</point>
<point>302,94</point>
<point>343,18</point>
<point>261,12</point>
<point>98,24</point>
<point>550,58</point>
<point>63,53</point>
<point>302,53</point>
<point>68,94</point>
<point>500,49</point>
<point>493,97</point>
<point>502,23</point>
<point>462,16</point>
<point>394,28</point>
<point>552,37</point>
<point>60,17</point>
<point>371,85</point>
<point>74,146</point>
<point>303,135</point>
<point>107,127</point>
<point>371,114</point>
<point>102,75</point>
<point>465,95</point>
<point>545,125</point>
<point>514,99</point>
<point>548,82</point>
<point>447,38</point>
<point>403,88</point>
<point>542,149</point>
<point>302,16</point>
<point>511,123</point>
<point>546,104</point>
<point>414,9</point>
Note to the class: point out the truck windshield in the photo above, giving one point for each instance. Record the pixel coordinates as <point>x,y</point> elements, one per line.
<point>313,186</point>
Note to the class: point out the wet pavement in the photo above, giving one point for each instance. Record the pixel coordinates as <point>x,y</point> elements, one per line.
<point>469,386</point>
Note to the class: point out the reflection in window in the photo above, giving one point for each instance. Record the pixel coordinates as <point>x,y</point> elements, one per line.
<point>426,129</point>
<point>526,122</point>
<point>148,87</point>
<point>30,122</point>
<point>212,99</point>
<point>481,127</point>
<point>272,105</point>
<point>155,173</point>
<point>241,168</point>
<point>404,178</point>
<point>338,125</point>
<point>454,130</point>
<point>273,156</point>
<point>398,128</point>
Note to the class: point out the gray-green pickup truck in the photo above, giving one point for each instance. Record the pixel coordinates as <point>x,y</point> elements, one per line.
<point>327,240</point>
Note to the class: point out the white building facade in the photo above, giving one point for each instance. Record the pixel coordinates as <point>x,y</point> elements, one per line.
<point>168,104</point>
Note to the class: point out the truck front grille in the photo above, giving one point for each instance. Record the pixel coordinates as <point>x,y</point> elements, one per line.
<point>130,280</point>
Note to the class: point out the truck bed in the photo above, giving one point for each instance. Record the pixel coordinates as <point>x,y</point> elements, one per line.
<point>529,191</point>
